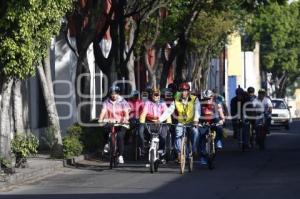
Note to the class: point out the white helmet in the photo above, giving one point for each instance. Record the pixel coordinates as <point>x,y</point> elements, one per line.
<point>207,94</point>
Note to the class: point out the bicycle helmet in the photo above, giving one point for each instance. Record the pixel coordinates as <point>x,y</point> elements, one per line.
<point>239,91</point>
<point>114,89</point>
<point>262,91</point>
<point>134,93</point>
<point>251,90</point>
<point>208,94</point>
<point>184,86</point>
<point>155,91</point>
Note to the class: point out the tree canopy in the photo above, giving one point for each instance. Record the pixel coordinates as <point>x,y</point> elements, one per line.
<point>276,26</point>
<point>26,28</point>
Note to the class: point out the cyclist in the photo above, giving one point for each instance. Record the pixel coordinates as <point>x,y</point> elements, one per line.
<point>136,106</point>
<point>263,104</point>
<point>187,107</point>
<point>152,110</point>
<point>219,99</point>
<point>250,113</point>
<point>236,106</point>
<point>212,112</point>
<point>115,109</point>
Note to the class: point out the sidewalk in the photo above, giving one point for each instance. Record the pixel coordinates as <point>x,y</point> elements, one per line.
<point>39,167</point>
<point>42,166</point>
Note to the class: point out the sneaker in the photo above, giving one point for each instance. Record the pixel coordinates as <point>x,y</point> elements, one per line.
<point>219,144</point>
<point>203,161</point>
<point>106,148</point>
<point>121,160</point>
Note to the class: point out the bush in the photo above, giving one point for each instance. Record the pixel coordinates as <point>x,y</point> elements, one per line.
<point>71,146</point>
<point>4,163</point>
<point>23,146</point>
<point>90,137</point>
<point>75,130</point>
<point>48,139</point>
<point>93,139</point>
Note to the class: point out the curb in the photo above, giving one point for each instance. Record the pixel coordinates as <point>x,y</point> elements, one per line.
<point>74,160</point>
<point>31,174</point>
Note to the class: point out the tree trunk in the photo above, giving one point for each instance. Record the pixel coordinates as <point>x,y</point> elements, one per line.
<point>18,107</point>
<point>130,63</point>
<point>51,108</point>
<point>5,132</point>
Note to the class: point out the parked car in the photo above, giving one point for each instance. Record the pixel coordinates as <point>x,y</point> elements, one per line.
<point>281,115</point>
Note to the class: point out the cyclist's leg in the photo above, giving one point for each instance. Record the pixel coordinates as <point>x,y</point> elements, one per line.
<point>267,124</point>
<point>106,131</point>
<point>195,137</point>
<point>141,136</point>
<point>219,136</point>
<point>120,139</point>
<point>235,127</point>
<point>178,139</point>
<point>163,137</point>
<point>202,142</point>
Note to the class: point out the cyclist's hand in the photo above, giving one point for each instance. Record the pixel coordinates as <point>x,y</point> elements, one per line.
<point>220,123</point>
<point>156,121</point>
<point>101,123</point>
<point>196,124</point>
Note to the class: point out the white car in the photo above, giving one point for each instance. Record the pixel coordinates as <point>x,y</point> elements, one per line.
<point>281,114</point>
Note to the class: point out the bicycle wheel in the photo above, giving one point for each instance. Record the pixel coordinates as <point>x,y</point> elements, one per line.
<point>241,142</point>
<point>152,157</point>
<point>156,165</point>
<point>211,151</point>
<point>112,154</point>
<point>191,158</point>
<point>136,148</point>
<point>182,155</point>
<point>261,136</point>
<point>168,148</point>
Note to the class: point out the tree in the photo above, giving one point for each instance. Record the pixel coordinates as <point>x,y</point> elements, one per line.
<point>276,27</point>
<point>26,28</point>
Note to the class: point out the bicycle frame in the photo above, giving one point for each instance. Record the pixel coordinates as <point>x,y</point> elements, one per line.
<point>154,146</point>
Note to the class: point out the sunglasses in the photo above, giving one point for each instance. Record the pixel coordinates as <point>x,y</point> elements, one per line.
<point>156,94</point>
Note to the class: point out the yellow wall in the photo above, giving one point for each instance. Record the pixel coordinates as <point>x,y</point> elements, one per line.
<point>234,57</point>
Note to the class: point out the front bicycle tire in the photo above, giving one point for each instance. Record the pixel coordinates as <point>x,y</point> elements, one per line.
<point>211,155</point>
<point>261,138</point>
<point>156,165</point>
<point>152,166</point>
<point>112,154</point>
<point>182,155</point>
<point>211,152</point>
<point>191,158</point>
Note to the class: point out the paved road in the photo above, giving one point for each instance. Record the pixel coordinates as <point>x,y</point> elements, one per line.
<point>274,173</point>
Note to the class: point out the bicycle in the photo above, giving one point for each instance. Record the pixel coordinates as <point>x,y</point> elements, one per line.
<point>154,152</point>
<point>113,152</point>
<point>136,152</point>
<point>245,131</point>
<point>210,150</point>
<point>184,154</point>
<point>260,133</point>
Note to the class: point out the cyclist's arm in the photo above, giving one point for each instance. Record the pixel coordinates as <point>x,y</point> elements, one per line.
<point>221,113</point>
<point>127,110</point>
<point>197,111</point>
<point>102,114</point>
<point>270,106</point>
<point>167,113</point>
<point>143,114</point>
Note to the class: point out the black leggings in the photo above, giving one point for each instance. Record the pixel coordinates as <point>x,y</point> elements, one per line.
<point>121,131</point>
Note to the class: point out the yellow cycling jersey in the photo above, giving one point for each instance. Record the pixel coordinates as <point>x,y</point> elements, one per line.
<point>186,111</point>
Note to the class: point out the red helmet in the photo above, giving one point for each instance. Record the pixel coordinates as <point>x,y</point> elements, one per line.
<point>184,86</point>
